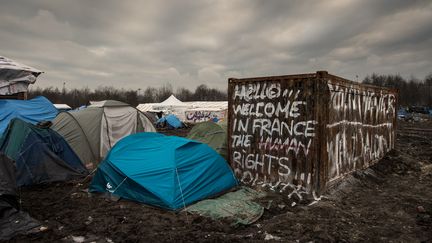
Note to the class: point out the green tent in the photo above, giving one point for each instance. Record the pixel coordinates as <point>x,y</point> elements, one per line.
<point>41,155</point>
<point>93,131</point>
<point>212,134</point>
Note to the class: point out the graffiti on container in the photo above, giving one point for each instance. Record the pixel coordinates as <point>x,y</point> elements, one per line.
<point>362,130</point>
<point>268,132</point>
<point>201,116</point>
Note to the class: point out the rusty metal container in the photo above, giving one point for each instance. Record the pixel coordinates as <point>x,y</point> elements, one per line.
<point>298,134</point>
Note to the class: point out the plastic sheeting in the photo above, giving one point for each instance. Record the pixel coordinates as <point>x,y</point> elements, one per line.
<point>13,221</point>
<point>33,111</point>
<point>171,121</point>
<point>15,77</point>
<point>164,171</point>
<point>237,207</point>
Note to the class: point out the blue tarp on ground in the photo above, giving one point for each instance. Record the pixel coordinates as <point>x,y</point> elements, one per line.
<point>170,120</point>
<point>164,171</point>
<point>33,111</point>
<point>41,155</point>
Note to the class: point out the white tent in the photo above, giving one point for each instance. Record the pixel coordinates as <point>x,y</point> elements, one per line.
<point>170,103</point>
<point>15,77</point>
<point>201,111</point>
<point>222,105</point>
<point>147,107</point>
<point>195,111</point>
<point>196,115</point>
<point>62,107</point>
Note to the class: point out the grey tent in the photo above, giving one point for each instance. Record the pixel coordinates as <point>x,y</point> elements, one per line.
<point>93,131</point>
<point>13,221</point>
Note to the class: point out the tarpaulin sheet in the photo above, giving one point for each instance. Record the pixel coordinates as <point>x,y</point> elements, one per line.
<point>33,111</point>
<point>170,120</point>
<point>238,207</point>
<point>15,77</point>
<point>13,221</point>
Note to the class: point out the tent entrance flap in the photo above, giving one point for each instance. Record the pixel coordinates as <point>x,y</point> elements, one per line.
<point>117,122</point>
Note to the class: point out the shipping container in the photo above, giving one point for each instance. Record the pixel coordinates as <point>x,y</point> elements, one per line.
<point>299,134</point>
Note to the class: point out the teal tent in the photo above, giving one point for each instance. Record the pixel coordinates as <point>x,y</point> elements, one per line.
<point>164,171</point>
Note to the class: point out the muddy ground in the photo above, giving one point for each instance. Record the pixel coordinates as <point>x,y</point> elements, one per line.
<point>391,202</point>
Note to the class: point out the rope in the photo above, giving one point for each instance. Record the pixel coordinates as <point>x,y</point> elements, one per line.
<point>181,192</point>
<point>24,161</point>
<point>119,185</point>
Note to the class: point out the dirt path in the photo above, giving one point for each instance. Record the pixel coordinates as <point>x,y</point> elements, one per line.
<point>392,201</point>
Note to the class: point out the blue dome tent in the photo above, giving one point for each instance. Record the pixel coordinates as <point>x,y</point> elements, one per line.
<point>164,171</point>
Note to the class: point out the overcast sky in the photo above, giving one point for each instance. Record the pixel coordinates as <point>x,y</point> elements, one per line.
<point>135,44</point>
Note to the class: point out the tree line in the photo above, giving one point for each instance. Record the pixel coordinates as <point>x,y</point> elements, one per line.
<point>412,92</point>
<point>78,97</point>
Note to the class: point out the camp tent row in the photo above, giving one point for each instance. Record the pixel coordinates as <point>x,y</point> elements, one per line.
<point>93,131</point>
<point>164,171</point>
<point>192,112</point>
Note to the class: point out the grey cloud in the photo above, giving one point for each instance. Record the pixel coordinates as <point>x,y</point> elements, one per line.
<point>134,44</point>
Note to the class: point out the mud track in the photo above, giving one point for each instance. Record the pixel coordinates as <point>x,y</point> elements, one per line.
<point>392,201</point>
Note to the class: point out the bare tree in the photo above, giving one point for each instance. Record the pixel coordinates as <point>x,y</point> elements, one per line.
<point>78,97</point>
